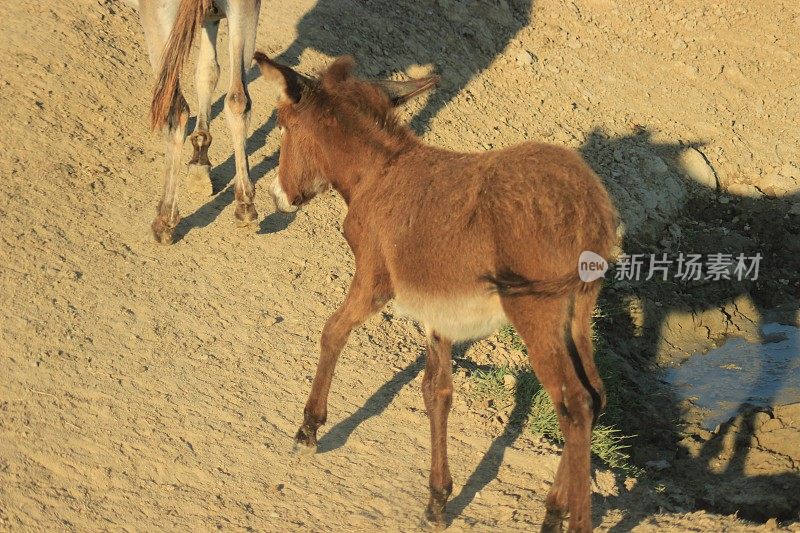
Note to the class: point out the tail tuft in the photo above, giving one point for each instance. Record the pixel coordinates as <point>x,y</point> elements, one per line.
<point>167,100</point>
<point>509,283</point>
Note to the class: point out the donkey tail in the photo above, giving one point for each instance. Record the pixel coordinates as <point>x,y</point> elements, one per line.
<point>509,283</point>
<point>167,99</point>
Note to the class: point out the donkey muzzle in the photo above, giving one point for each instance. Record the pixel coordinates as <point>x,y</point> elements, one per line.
<point>282,202</point>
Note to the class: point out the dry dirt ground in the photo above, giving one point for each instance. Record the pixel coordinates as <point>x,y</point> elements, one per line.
<point>149,388</point>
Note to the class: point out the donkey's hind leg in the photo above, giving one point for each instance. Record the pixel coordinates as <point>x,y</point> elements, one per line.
<point>437,392</point>
<point>157,19</point>
<point>545,326</point>
<point>206,77</point>
<point>581,330</point>
<point>242,22</point>
<point>167,215</point>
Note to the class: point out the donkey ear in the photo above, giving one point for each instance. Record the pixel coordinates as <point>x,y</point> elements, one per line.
<point>290,82</point>
<point>400,92</point>
<point>339,70</point>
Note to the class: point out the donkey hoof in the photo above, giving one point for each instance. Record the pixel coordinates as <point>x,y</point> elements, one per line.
<point>553,522</point>
<point>245,214</point>
<point>162,230</point>
<point>434,519</point>
<point>198,180</point>
<point>434,512</point>
<point>305,442</point>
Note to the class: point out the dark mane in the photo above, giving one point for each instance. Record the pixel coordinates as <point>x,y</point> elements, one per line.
<point>363,110</point>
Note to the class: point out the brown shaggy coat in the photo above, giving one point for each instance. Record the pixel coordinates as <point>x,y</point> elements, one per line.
<point>463,243</point>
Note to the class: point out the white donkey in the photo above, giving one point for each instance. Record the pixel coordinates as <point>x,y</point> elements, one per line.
<point>169,29</point>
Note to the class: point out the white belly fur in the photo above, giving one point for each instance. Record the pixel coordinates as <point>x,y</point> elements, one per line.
<point>456,317</point>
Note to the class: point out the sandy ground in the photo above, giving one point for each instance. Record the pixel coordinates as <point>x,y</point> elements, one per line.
<point>150,388</point>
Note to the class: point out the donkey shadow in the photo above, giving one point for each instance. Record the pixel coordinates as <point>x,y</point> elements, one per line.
<point>711,223</point>
<point>459,39</point>
<point>337,436</point>
<point>662,426</point>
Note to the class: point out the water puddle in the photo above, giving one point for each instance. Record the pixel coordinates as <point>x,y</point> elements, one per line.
<point>761,374</point>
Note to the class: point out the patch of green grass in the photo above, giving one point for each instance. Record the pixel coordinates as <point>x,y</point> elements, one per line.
<point>533,407</point>
<point>509,335</point>
<point>490,384</point>
<point>608,443</point>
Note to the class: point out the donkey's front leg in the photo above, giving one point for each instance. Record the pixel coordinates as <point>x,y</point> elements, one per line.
<point>437,392</point>
<point>361,302</point>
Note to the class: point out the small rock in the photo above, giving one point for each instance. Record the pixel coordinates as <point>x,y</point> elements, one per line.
<point>605,484</point>
<point>771,524</point>
<point>575,44</point>
<point>509,381</point>
<point>678,44</point>
<point>696,167</point>
<point>630,482</point>
<point>655,165</point>
<point>524,57</point>
<point>795,210</point>
<point>660,464</point>
<point>776,184</point>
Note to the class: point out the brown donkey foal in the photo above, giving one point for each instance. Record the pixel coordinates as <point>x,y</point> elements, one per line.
<point>463,243</point>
